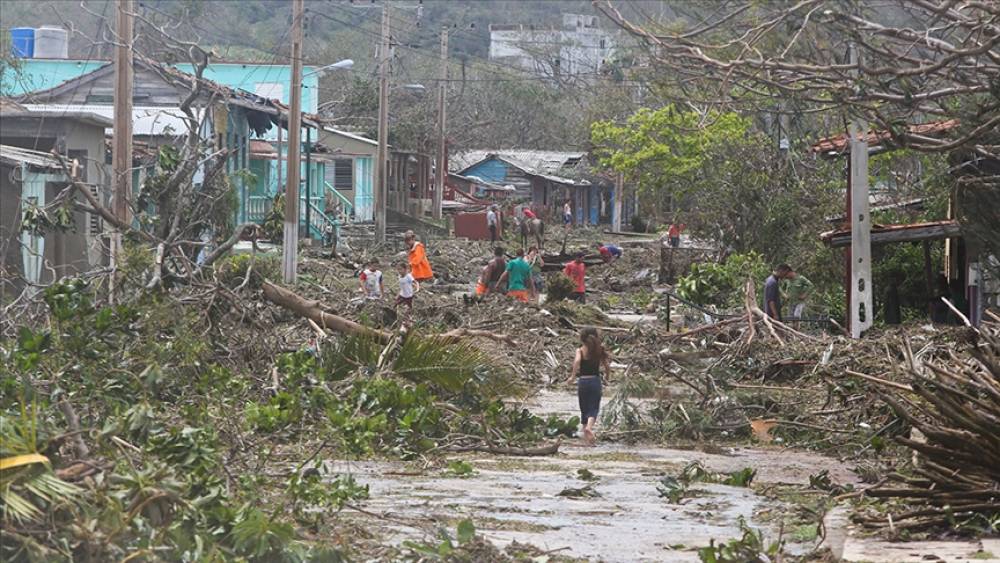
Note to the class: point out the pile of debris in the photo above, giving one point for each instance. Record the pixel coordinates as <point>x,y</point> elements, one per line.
<point>953,405</point>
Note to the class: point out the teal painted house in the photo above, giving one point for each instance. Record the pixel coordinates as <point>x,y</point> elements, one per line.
<point>265,80</point>
<point>249,100</point>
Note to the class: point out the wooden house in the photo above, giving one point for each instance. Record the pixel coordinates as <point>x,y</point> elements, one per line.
<point>546,179</point>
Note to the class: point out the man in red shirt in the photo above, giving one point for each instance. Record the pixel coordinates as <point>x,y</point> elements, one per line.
<point>576,270</point>
<point>529,214</point>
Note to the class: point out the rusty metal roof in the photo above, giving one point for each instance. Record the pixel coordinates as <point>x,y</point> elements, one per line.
<point>831,147</point>
<point>881,234</point>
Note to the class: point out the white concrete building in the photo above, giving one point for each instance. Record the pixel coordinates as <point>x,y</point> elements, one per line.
<point>578,48</point>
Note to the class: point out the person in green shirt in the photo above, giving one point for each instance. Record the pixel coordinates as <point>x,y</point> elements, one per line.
<point>797,292</point>
<point>518,278</point>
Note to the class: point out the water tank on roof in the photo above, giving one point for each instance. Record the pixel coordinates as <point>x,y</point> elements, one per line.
<point>51,43</point>
<point>22,40</point>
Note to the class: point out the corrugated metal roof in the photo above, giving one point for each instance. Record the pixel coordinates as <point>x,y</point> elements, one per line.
<point>152,121</point>
<point>84,114</point>
<point>880,234</point>
<point>15,156</point>
<point>535,162</point>
<point>343,133</point>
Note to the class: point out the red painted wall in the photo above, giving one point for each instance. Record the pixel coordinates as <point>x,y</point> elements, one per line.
<point>473,226</point>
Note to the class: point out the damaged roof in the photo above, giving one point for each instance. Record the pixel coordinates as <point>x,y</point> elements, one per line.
<point>831,147</point>
<point>276,112</point>
<point>16,156</point>
<point>881,234</point>
<point>531,161</point>
<point>551,165</point>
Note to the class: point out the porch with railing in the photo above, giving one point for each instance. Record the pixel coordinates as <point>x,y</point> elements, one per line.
<point>257,208</point>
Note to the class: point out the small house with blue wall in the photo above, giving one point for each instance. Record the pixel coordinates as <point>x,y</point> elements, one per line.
<point>231,117</point>
<point>157,120</point>
<point>546,179</point>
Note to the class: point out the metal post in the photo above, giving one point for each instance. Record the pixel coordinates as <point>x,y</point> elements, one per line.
<point>861,311</point>
<point>381,192</point>
<point>616,218</point>
<point>280,188</point>
<point>290,245</point>
<point>442,156</point>
<point>309,183</point>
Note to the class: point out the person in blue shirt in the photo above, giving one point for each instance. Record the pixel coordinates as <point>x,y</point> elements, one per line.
<point>609,252</point>
<point>772,292</point>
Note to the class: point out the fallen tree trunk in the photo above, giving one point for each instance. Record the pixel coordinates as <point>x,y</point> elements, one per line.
<point>459,333</point>
<point>311,309</point>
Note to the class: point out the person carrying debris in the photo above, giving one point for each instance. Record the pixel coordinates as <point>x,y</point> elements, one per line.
<point>420,267</point>
<point>587,371</point>
<point>408,286</point>
<point>492,223</point>
<point>371,280</point>
<point>577,271</point>
<point>491,273</point>
<point>609,252</point>
<point>772,291</point>
<point>518,278</point>
<point>535,260</point>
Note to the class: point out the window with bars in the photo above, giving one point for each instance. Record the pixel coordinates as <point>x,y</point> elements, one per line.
<point>340,174</point>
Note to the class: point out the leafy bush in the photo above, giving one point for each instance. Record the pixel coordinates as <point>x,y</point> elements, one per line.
<point>280,411</point>
<point>312,492</point>
<point>558,287</point>
<point>722,284</point>
<point>750,548</point>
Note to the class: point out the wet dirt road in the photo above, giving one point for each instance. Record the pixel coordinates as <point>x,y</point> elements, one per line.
<point>510,498</point>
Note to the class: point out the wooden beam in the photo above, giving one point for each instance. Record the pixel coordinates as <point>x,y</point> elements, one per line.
<point>937,231</point>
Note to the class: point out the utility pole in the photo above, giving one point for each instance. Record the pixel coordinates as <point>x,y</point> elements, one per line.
<point>121,155</point>
<point>616,218</point>
<point>859,266</point>
<point>291,240</point>
<point>442,157</point>
<point>381,179</point>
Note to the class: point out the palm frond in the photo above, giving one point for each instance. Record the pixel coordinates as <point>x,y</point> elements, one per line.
<point>447,364</point>
<point>28,487</point>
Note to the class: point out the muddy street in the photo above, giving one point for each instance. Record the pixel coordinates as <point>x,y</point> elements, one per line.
<point>615,515</point>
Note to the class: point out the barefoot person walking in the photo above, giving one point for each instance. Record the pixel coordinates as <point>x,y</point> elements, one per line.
<point>587,371</point>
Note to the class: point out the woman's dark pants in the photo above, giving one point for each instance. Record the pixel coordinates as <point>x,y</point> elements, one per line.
<point>588,390</point>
